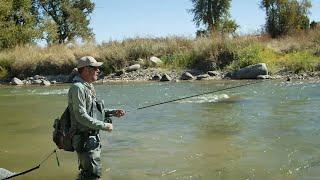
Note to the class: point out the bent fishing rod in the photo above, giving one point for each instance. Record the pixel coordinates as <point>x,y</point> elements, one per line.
<point>201,94</point>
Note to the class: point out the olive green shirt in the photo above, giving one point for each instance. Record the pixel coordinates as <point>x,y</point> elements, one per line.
<point>80,97</point>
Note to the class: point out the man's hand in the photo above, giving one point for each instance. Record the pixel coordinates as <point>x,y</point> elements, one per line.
<point>119,112</point>
<point>108,127</point>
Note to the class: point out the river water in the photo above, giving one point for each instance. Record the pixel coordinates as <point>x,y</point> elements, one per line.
<point>268,130</point>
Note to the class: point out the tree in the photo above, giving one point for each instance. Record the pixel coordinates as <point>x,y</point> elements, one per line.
<point>214,14</point>
<point>70,17</point>
<point>17,23</point>
<point>286,16</point>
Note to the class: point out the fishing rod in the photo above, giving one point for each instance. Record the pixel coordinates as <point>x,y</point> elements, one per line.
<point>201,94</point>
<point>36,167</point>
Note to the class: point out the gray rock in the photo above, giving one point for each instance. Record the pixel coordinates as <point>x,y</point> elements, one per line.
<point>155,61</point>
<point>27,82</point>
<point>53,82</point>
<point>165,77</point>
<point>156,77</point>
<point>251,72</point>
<point>36,77</point>
<point>16,81</point>
<point>187,76</point>
<point>37,81</point>
<point>213,73</point>
<point>289,78</point>
<point>263,77</point>
<point>133,67</point>
<point>203,76</point>
<point>45,83</point>
<point>4,173</point>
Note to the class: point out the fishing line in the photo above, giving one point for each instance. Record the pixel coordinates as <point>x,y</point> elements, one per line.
<point>36,167</point>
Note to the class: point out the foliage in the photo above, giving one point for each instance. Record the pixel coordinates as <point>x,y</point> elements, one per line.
<point>56,21</point>
<point>70,17</point>
<point>297,62</point>
<point>214,14</point>
<point>17,23</point>
<point>286,16</point>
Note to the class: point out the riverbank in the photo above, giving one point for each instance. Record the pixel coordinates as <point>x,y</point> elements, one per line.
<point>157,74</point>
<point>299,53</point>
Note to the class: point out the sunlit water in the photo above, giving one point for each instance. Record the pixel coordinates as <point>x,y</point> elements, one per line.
<point>269,130</point>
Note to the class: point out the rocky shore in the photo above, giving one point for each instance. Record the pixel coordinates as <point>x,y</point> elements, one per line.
<point>258,71</point>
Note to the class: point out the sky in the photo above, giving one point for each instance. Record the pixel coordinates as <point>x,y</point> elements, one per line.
<point>122,19</point>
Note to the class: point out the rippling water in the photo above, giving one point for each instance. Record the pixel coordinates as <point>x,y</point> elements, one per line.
<point>268,130</point>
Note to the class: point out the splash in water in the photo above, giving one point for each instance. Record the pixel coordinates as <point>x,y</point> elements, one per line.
<point>206,98</point>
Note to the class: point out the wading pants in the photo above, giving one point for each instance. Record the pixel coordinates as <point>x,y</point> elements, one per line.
<point>89,159</point>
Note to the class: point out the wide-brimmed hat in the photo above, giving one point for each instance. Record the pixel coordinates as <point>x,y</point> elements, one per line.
<point>88,61</point>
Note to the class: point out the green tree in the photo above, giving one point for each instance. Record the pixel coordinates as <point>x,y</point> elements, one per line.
<point>17,23</point>
<point>286,16</point>
<point>214,14</point>
<point>70,16</point>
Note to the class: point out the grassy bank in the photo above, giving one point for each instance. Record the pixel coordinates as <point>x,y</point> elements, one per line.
<point>297,53</point>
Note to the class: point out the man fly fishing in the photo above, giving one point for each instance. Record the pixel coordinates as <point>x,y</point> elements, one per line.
<point>88,116</point>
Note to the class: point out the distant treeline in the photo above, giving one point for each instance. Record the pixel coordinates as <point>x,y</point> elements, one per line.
<point>62,21</point>
<point>55,21</point>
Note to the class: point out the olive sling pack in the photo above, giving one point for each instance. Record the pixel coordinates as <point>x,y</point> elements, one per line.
<point>62,134</point>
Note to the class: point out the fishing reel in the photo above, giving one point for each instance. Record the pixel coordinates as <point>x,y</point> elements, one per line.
<point>107,116</point>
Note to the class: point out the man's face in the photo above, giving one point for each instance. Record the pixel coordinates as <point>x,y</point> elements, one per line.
<point>93,73</point>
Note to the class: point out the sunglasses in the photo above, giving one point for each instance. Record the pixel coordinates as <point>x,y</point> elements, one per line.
<point>94,67</point>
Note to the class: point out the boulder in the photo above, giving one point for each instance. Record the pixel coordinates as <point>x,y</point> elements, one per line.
<point>16,81</point>
<point>165,77</point>
<point>187,76</point>
<point>133,67</point>
<point>251,72</point>
<point>155,61</point>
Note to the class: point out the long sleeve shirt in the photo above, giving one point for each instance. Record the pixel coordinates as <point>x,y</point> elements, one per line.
<point>80,100</point>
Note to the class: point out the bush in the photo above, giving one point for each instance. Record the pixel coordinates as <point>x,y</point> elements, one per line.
<point>3,73</point>
<point>300,62</point>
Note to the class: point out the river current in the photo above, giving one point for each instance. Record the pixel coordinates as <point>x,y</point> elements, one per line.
<point>268,130</point>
